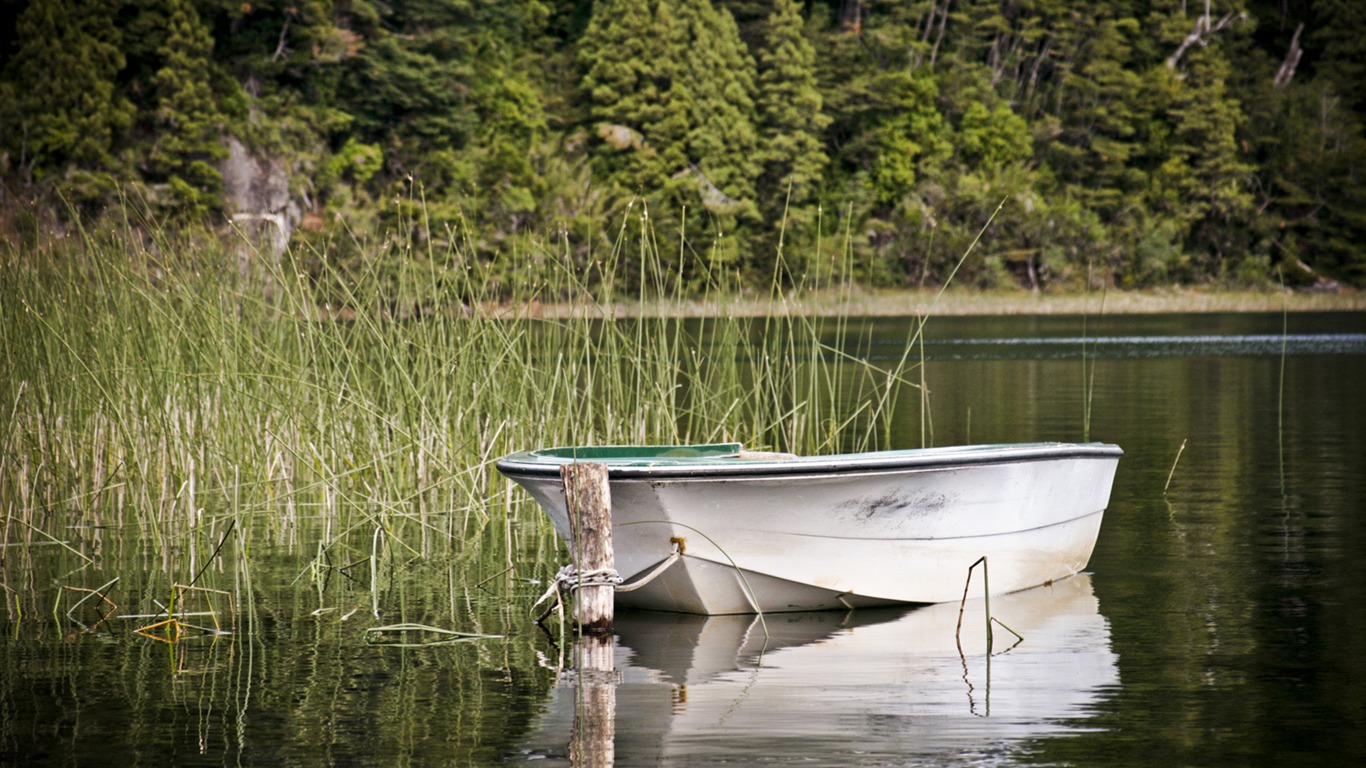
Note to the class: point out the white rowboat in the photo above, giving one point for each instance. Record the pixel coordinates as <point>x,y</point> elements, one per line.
<point>774,532</point>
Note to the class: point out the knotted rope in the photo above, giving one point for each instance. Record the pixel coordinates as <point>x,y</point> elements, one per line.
<point>568,580</point>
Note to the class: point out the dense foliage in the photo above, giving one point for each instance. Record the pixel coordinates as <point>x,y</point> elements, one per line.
<point>1147,141</point>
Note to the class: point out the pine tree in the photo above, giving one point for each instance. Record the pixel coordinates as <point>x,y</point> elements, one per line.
<point>718,75</point>
<point>791,116</point>
<point>670,105</point>
<point>410,88</point>
<point>1341,33</point>
<point>714,91</point>
<point>1100,103</point>
<point>1202,179</point>
<point>63,77</point>
<point>671,93</point>
<point>190,123</point>
<point>628,66</point>
<point>911,137</point>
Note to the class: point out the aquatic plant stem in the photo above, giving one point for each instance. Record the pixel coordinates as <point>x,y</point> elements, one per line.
<point>962,259</point>
<point>1179,451</point>
<point>986,605</point>
<point>1280,385</point>
<point>918,339</point>
<point>1088,361</point>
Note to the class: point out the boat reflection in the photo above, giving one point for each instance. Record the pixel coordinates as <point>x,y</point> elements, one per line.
<point>834,688</point>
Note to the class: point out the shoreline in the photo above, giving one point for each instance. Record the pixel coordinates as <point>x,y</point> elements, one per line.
<point>910,303</point>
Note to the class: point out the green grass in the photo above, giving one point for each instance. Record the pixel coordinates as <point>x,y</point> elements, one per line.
<point>152,394</point>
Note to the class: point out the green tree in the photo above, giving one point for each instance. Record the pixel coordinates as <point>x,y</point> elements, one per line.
<point>1101,112</point>
<point>887,129</point>
<point>1312,159</point>
<point>631,61</point>
<point>671,98</point>
<point>1202,172</point>
<point>714,88</point>
<point>189,122</point>
<point>791,116</point>
<point>63,75</point>
<point>719,74</point>
<point>671,92</point>
<point>911,135</point>
<point>1341,36</point>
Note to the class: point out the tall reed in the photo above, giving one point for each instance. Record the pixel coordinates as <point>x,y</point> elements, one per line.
<point>152,390</point>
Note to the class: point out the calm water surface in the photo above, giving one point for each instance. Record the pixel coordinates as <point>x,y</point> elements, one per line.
<point>1221,622</point>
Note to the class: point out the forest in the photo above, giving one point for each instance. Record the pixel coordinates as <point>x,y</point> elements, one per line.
<point>1130,143</point>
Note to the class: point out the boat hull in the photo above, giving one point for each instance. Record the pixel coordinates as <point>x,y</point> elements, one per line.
<point>840,532</point>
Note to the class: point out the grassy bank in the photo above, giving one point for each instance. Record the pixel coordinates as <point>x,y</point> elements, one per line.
<point>887,303</point>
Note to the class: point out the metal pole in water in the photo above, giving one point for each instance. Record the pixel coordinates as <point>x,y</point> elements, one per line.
<point>589,503</point>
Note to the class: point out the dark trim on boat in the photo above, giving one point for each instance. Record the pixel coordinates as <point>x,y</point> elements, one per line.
<point>717,468</point>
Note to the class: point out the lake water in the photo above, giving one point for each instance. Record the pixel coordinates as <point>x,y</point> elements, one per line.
<point>1221,622</point>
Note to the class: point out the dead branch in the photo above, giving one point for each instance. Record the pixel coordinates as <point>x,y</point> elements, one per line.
<point>1203,29</point>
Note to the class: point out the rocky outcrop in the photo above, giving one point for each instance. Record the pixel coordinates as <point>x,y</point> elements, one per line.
<point>263,210</point>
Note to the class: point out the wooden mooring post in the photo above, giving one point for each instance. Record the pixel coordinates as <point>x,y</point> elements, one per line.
<point>588,500</point>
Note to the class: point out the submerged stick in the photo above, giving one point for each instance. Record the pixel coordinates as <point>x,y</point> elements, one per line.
<point>397,635</point>
<point>214,556</point>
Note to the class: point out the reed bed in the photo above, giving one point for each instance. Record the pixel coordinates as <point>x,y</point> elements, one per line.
<point>158,403</point>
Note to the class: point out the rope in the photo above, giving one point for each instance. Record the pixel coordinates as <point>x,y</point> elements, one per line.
<point>569,580</point>
<point>670,560</point>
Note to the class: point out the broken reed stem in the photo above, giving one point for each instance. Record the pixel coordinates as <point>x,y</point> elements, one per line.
<point>1179,451</point>
<point>101,593</point>
<point>53,539</point>
<point>986,595</point>
<point>1018,637</point>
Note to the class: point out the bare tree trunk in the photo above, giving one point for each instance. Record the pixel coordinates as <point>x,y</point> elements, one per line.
<point>1044,53</point>
<point>1292,60</point>
<point>851,16</point>
<point>939,36</point>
